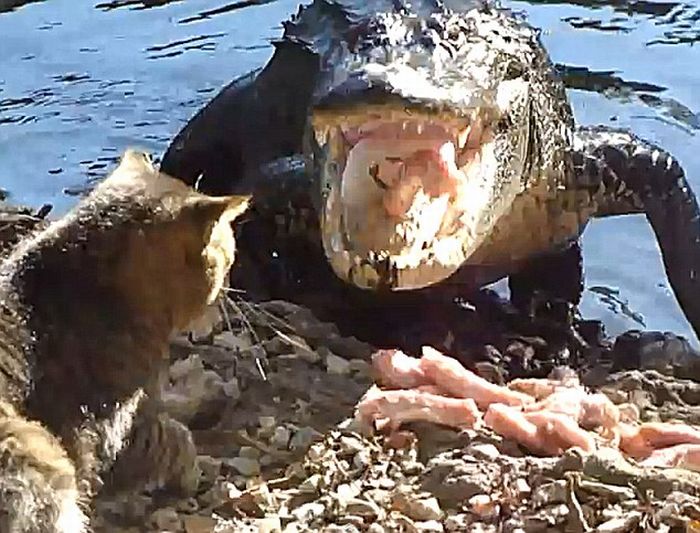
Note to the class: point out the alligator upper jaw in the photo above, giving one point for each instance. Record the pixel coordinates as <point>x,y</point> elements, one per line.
<point>407,195</point>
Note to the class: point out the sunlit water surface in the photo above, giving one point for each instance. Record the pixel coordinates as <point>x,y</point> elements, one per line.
<point>81,81</point>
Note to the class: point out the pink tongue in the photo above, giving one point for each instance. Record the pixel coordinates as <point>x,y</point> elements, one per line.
<point>431,170</point>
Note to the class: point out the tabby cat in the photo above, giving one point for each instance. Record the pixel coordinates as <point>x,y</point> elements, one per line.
<point>88,306</point>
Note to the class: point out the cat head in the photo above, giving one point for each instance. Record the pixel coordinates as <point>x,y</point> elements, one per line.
<point>187,236</point>
<point>142,246</point>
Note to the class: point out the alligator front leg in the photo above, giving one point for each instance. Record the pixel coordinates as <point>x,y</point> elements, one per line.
<point>547,280</point>
<point>631,175</point>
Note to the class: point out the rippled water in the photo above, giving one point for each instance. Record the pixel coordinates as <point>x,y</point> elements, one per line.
<point>80,81</point>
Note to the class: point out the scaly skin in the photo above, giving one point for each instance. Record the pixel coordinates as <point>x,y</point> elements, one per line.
<point>339,64</point>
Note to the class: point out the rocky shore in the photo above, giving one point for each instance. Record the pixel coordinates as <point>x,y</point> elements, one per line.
<point>269,392</point>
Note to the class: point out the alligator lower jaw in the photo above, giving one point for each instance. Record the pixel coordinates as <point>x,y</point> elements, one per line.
<point>407,197</point>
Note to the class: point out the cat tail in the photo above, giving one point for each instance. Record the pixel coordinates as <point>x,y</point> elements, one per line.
<point>38,488</point>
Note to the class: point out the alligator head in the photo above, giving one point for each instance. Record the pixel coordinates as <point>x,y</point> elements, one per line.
<point>423,132</point>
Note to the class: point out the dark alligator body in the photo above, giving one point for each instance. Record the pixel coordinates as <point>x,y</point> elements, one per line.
<point>345,78</point>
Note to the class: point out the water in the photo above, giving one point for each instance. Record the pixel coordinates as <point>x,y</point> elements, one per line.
<point>80,81</point>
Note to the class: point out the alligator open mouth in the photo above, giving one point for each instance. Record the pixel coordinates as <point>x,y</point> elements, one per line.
<point>406,197</point>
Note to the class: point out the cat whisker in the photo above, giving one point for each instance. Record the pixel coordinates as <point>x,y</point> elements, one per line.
<point>247,324</point>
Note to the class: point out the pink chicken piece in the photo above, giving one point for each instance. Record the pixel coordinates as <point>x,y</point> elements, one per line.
<point>641,441</point>
<point>394,407</point>
<point>394,369</point>
<point>543,431</point>
<point>589,410</point>
<point>449,375</point>
<point>540,388</point>
<point>679,456</point>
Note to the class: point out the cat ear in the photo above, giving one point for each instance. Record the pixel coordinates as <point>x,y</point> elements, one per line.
<point>215,208</point>
<point>236,206</point>
<point>136,161</point>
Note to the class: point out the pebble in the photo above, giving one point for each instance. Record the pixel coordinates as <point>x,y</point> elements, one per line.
<point>457,522</point>
<point>309,511</point>
<point>303,438</point>
<point>550,493</point>
<point>231,341</point>
<point>360,367</point>
<point>484,451</point>
<point>429,526</point>
<point>348,347</point>
<point>311,484</point>
<point>350,445</point>
<point>249,452</point>
<point>522,487</point>
<point>418,509</point>
<point>166,519</point>
<point>362,459</point>
<point>623,524</point>
<point>280,438</point>
<point>209,466</point>
<point>337,365</point>
<point>188,505</point>
<point>365,508</point>
<point>199,524</point>
<point>348,491</point>
<point>483,506</point>
<point>232,389</point>
<point>270,524</point>
<point>245,466</point>
<point>267,423</point>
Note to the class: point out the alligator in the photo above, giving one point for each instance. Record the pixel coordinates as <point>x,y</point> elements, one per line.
<point>429,144</point>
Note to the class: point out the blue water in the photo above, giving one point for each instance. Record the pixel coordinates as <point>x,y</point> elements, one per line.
<point>80,81</point>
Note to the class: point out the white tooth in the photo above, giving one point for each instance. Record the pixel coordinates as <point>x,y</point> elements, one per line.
<point>447,153</point>
<point>419,128</point>
<point>405,125</point>
<point>463,136</point>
